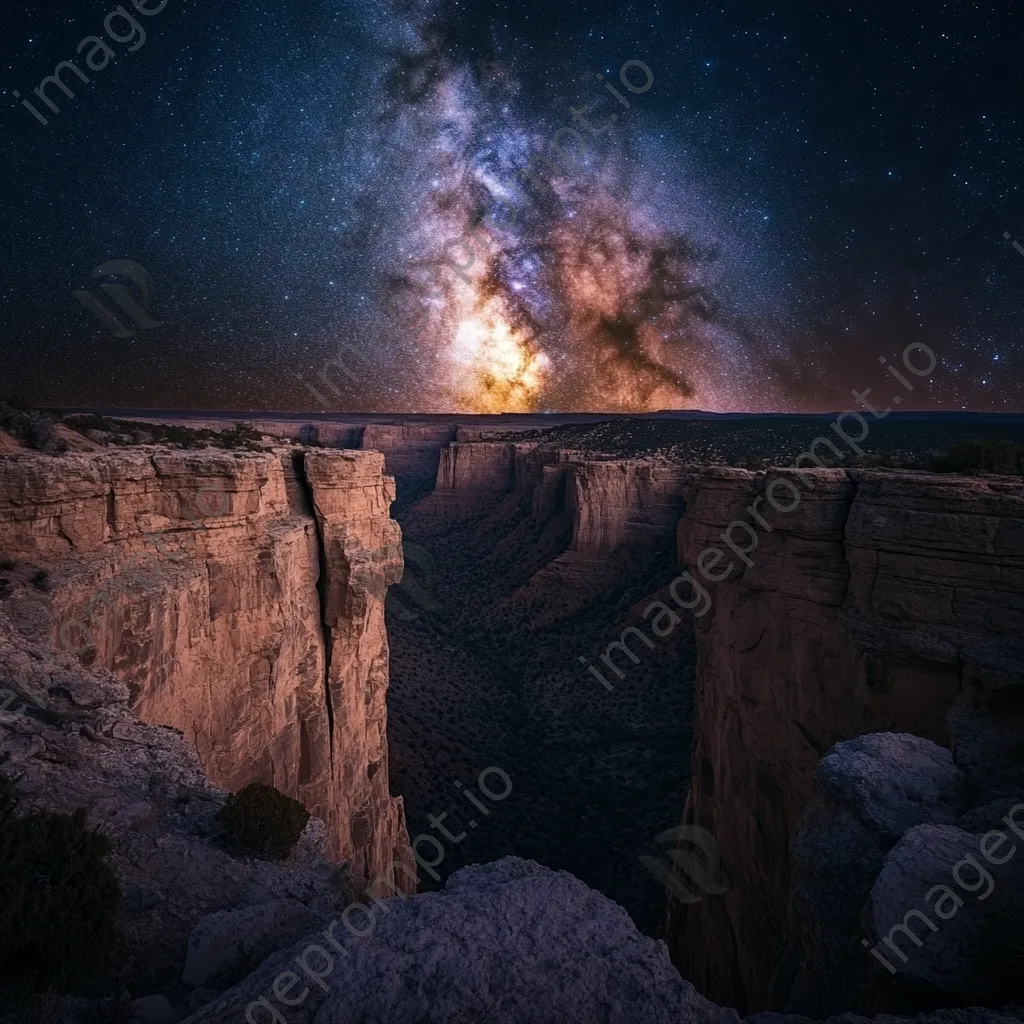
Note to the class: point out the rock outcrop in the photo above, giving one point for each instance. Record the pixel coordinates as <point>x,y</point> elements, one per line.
<point>71,742</point>
<point>509,942</point>
<point>505,942</point>
<point>240,598</point>
<point>632,503</point>
<point>870,601</point>
<point>477,466</point>
<point>412,451</point>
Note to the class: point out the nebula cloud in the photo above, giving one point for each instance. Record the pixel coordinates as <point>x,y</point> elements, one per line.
<point>531,263</point>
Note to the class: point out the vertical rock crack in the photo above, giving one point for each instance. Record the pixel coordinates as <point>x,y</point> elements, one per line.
<point>322,589</point>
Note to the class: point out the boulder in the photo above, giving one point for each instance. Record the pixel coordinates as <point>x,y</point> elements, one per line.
<point>870,790</point>
<point>225,946</point>
<point>505,942</point>
<point>892,781</point>
<point>967,940</point>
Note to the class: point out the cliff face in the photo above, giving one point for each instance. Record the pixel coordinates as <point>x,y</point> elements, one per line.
<point>614,504</point>
<point>477,466</point>
<point>194,579</point>
<point>411,450</point>
<point>628,502</point>
<point>70,742</point>
<point>871,605</point>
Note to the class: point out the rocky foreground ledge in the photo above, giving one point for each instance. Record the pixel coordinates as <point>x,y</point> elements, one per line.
<point>509,942</point>
<point>215,939</point>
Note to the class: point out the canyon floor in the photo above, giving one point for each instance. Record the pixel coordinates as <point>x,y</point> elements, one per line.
<point>845,720</point>
<point>486,672</point>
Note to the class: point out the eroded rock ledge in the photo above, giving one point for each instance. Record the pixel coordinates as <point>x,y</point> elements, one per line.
<point>509,942</point>
<point>876,603</point>
<point>193,578</point>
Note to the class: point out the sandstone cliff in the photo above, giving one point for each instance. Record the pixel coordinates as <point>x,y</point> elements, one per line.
<point>634,503</point>
<point>70,742</point>
<point>410,450</point>
<point>477,466</point>
<point>194,578</point>
<point>872,604</point>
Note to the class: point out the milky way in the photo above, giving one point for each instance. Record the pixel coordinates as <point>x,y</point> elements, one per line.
<point>801,190</point>
<point>531,263</point>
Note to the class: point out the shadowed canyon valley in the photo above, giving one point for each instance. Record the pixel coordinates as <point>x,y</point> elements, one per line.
<point>597,719</point>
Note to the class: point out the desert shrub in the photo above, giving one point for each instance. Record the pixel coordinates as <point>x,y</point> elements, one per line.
<point>981,455</point>
<point>83,421</point>
<point>6,588</point>
<point>124,432</point>
<point>40,580</point>
<point>241,435</point>
<point>7,564</point>
<point>59,894</point>
<point>264,820</point>
<point>33,428</point>
<point>38,433</point>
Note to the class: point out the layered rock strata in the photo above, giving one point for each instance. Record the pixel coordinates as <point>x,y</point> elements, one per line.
<point>870,601</point>
<point>634,503</point>
<point>240,598</point>
<point>412,451</point>
<point>487,466</point>
<point>626,503</point>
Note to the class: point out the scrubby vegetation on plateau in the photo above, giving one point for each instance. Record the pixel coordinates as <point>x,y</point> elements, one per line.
<point>263,820</point>
<point>58,893</point>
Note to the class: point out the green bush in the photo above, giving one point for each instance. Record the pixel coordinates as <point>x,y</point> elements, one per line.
<point>981,455</point>
<point>264,820</point>
<point>58,894</point>
<point>35,429</point>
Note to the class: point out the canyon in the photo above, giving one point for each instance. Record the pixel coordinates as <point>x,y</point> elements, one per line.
<point>885,602</point>
<point>193,578</point>
<point>880,602</point>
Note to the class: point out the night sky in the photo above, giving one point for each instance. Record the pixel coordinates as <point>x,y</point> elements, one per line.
<point>794,191</point>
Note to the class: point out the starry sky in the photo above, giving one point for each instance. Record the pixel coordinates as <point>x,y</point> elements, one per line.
<point>444,205</point>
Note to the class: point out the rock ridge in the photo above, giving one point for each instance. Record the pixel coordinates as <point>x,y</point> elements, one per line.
<point>193,578</point>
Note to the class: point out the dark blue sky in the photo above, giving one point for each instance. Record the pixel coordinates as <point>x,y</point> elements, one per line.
<point>806,187</point>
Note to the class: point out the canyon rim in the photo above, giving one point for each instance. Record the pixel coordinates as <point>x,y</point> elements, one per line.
<point>852,687</point>
<point>512,513</point>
